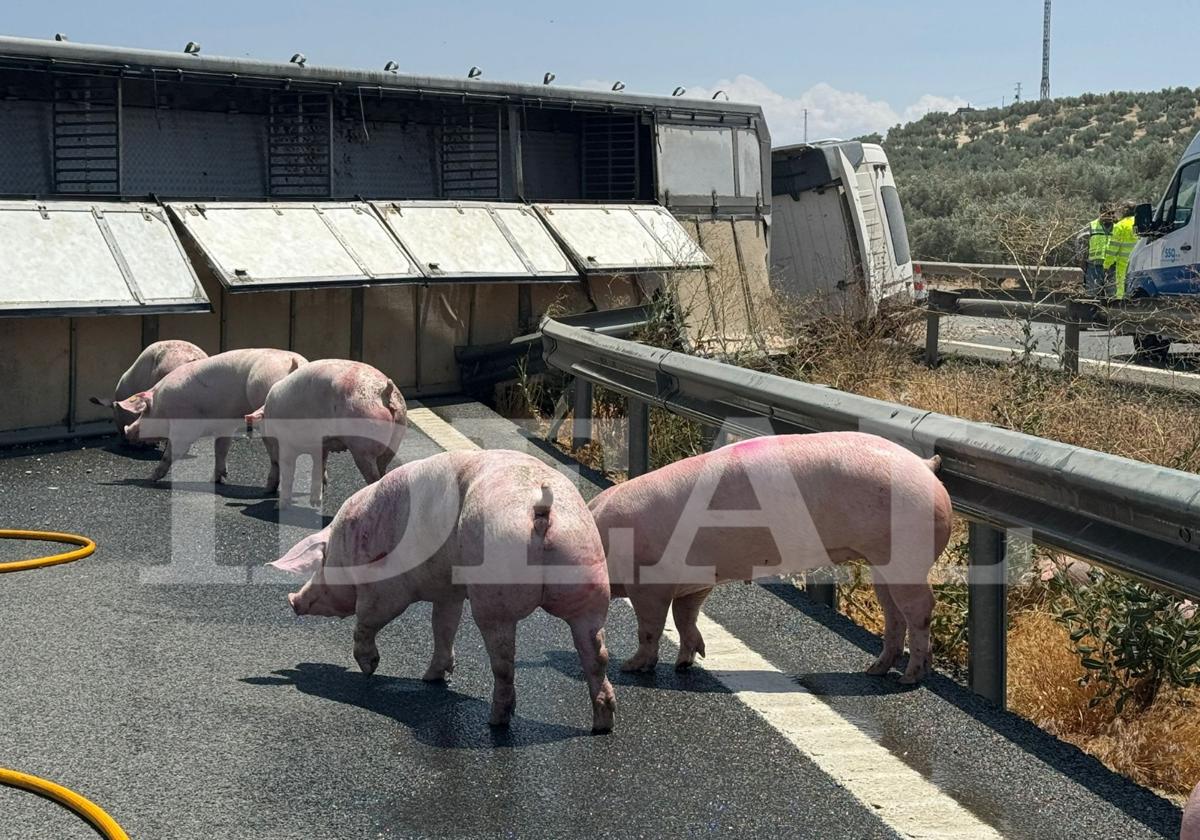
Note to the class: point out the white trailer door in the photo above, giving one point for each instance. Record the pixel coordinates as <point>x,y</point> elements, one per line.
<point>858,223</point>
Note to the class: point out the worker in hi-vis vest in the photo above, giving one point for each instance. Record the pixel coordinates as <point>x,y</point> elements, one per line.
<point>1116,254</point>
<point>1098,233</point>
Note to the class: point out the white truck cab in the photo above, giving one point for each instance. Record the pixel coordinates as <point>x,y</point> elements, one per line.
<point>838,232</point>
<point>1166,258</point>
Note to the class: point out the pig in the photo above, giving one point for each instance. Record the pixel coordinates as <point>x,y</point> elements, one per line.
<point>350,405</point>
<point>498,527</point>
<point>147,370</point>
<point>824,498</point>
<point>208,398</point>
<point>1191,817</point>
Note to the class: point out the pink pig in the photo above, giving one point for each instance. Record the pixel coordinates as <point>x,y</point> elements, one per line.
<point>151,365</point>
<point>207,398</point>
<point>1191,817</point>
<point>498,527</point>
<point>775,505</point>
<point>331,405</point>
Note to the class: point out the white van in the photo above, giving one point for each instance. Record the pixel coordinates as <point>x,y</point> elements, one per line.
<point>1166,258</point>
<point>837,228</point>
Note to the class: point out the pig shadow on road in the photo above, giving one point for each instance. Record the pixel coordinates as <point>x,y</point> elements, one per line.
<point>134,452</point>
<point>228,491</point>
<point>438,715</point>
<point>267,510</point>
<point>664,677</point>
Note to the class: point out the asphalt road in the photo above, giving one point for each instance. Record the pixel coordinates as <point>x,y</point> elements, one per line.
<point>185,698</point>
<point>1048,338</point>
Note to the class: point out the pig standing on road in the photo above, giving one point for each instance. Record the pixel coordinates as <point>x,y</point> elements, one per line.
<point>828,498</point>
<point>330,405</point>
<point>208,398</point>
<point>1191,817</point>
<point>498,527</point>
<point>147,370</point>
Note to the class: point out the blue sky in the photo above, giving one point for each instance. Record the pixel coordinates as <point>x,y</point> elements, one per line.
<point>856,67</point>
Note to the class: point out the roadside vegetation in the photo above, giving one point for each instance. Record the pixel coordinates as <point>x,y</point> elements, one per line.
<point>960,173</point>
<point>1096,659</point>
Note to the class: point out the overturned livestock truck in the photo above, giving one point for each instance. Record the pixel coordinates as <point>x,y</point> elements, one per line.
<point>342,213</point>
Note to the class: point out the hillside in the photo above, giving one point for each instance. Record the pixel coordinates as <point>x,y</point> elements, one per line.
<point>965,177</point>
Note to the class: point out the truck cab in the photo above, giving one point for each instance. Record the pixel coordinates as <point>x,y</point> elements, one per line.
<point>1166,259</point>
<point>838,234</point>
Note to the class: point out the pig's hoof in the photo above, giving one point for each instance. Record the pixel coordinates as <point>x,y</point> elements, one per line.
<point>639,665</point>
<point>368,662</point>
<point>879,668</point>
<point>603,713</point>
<point>501,717</point>
<point>437,675</point>
<point>915,675</point>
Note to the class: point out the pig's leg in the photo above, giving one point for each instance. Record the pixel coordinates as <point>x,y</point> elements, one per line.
<point>893,629</point>
<point>915,602</point>
<point>168,457</point>
<point>383,461</point>
<point>686,609</point>
<point>650,603</point>
<point>373,613</point>
<point>287,474</point>
<point>221,450</point>
<point>272,447</point>
<point>588,635</point>
<point>447,615</point>
<point>500,638</point>
<point>366,465</point>
<point>318,479</point>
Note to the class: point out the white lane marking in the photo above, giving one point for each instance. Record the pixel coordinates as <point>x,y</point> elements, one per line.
<point>439,431</point>
<point>904,799</point>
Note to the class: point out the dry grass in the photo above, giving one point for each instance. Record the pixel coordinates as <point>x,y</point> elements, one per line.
<point>1158,747</point>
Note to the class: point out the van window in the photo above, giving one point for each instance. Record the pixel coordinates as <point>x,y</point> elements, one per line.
<point>895,217</point>
<point>1180,200</point>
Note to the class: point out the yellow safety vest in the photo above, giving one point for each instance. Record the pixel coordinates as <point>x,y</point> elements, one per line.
<point>1097,242</point>
<point>1120,245</point>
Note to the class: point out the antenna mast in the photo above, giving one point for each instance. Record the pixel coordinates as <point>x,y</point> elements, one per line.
<point>1046,53</point>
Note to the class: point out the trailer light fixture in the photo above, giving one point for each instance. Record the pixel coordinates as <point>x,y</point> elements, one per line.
<point>548,78</point>
<point>192,48</point>
<point>474,73</point>
<point>722,94</point>
<point>391,67</point>
<point>618,86</point>
<point>299,58</point>
<point>59,36</point>
<point>679,91</point>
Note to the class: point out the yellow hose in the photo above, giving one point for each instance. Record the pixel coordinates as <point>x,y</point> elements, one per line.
<point>85,808</point>
<point>51,560</point>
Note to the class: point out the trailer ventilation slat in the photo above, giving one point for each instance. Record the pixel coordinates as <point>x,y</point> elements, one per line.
<point>610,157</point>
<point>299,145</point>
<point>87,114</point>
<point>469,145</point>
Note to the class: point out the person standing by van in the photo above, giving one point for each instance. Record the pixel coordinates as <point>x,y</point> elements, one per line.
<point>1116,253</point>
<point>1099,231</point>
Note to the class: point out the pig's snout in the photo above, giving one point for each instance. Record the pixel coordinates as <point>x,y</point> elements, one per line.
<point>133,433</point>
<point>294,600</point>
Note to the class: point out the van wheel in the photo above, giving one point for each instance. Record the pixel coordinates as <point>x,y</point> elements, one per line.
<point>1151,348</point>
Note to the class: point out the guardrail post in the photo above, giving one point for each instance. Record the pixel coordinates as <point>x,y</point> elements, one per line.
<point>932,323</point>
<point>581,425</point>
<point>821,587</point>
<point>1070,355</point>
<point>639,437</point>
<point>987,613</point>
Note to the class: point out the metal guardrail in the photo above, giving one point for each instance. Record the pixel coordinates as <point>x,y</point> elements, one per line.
<point>484,365</point>
<point>1129,516</point>
<point>1169,316</point>
<point>987,271</point>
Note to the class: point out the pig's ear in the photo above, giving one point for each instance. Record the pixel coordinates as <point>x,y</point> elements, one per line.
<point>307,555</point>
<point>136,404</point>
